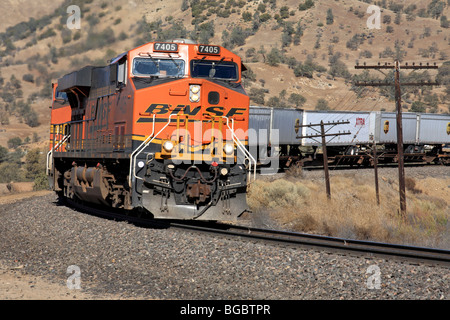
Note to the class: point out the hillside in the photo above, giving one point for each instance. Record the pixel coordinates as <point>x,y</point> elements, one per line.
<point>298,51</point>
<point>17,11</point>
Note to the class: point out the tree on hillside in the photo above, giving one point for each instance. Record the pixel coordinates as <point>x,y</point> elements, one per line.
<point>306,5</point>
<point>15,142</point>
<point>443,76</point>
<point>435,8</point>
<point>184,5</point>
<point>445,23</point>
<point>398,18</point>
<point>274,57</point>
<point>330,17</point>
<point>34,163</point>
<point>339,69</point>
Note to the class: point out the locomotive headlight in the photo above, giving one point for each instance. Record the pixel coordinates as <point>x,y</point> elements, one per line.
<point>168,146</point>
<point>194,94</point>
<point>224,171</point>
<point>195,89</point>
<point>228,148</point>
<point>195,98</point>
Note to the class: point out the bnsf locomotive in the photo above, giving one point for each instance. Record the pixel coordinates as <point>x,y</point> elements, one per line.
<point>162,129</point>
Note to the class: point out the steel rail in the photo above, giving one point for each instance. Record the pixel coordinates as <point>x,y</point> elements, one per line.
<point>415,254</point>
<point>386,250</point>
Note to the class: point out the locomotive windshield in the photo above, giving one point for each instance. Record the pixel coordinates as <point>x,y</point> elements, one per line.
<point>220,70</point>
<point>60,95</point>
<point>145,67</point>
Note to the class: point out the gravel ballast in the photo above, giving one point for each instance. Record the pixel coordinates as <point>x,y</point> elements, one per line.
<point>44,238</point>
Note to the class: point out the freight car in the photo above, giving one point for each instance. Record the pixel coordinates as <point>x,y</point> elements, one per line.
<point>286,131</point>
<point>161,130</point>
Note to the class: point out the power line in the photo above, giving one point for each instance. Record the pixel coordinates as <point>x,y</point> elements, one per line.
<point>323,134</point>
<point>398,101</point>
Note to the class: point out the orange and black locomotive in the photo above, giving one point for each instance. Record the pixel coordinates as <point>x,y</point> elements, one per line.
<point>163,129</point>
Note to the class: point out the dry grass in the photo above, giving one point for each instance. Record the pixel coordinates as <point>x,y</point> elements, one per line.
<point>352,211</point>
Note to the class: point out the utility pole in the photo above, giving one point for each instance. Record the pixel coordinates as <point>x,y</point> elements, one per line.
<point>323,134</point>
<point>375,167</point>
<point>325,160</point>
<point>398,101</point>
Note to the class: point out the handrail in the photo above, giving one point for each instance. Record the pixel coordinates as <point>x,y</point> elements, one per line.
<point>51,153</point>
<point>142,146</point>
<point>152,136</point>
<point>241,147</point>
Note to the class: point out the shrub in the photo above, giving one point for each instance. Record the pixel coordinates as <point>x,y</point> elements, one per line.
<point>297,100</point>
<point>330,17</point>
<point>443,76</point>
<point>261,8</point>
<point>410,184</point>
<point>279,194</point>
<point>339,69</point>
<point>28,78</point>
<point>274,57</point>
<point>3,154</point>
<point>306,5</point>
<point>66,35</point>
<point>123,36</point>
<point>77,36</point>
<point>303,70</point>
<point>41,182</point>
<point>435,8</point>
<point>398,18</point>
<point>15,82</point>
<point>31,119</point>
<point>4,117</point>
<point>445,23</point>
<point>9,172</point>
<point>238,36</point>
<point>47,34</point>
<point>257,96</point>
<point>206,31</point>
<point>99,40</point>
<point>184,5</point>
<point>247,16</point>
<point>355,41</point>
<point>34,163</point>
<point>322,104</point>
<point>417,106</point>
<point>264,17</point>
<point>284,12</point>
<point>14,142</point>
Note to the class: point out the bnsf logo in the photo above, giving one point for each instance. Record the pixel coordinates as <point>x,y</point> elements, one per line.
<point>217,111</point>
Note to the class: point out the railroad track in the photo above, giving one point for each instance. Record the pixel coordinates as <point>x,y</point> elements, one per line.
<point>387,250</point>
<point>340,245</point>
